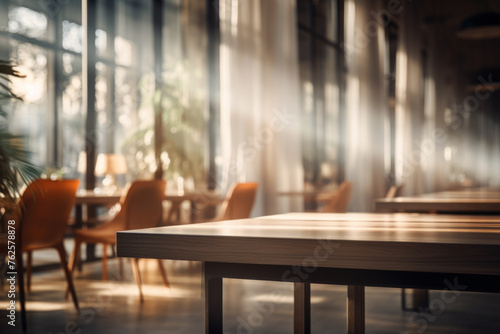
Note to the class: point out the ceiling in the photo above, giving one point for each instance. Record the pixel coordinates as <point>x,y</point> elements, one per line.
<point>445,16</point>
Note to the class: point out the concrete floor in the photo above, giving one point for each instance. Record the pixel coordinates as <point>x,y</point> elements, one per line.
<point>250,307</point>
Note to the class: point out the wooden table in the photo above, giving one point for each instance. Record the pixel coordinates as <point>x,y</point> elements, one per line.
<point>481,200</point>
<point>476,200</point>
<point>96,198</point>
<point>357,250</point>
<point>89,197</point>
<point>311,197</point>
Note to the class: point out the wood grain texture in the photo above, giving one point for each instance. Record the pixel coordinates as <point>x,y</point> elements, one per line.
<point>340,241</point>
<point>302,308</point>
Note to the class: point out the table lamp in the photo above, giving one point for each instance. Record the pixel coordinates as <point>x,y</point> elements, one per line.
<point>109,164</point>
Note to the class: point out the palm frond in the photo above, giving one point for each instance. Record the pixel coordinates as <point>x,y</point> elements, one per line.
<point>9,69</point>
<point>15,164</point>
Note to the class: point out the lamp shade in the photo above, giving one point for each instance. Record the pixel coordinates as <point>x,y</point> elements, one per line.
<point>481,26</point>
<point>110,164</point>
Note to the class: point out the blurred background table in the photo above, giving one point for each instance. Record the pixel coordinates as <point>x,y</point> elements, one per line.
<point>473,200</point>
<point>92,199</point>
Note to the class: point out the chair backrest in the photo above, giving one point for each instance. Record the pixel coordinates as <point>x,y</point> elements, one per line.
<point>46,207</point>
<point>239,201</point>
<point>340,200</point>
<point>393,191</point>
<point>142,204</point>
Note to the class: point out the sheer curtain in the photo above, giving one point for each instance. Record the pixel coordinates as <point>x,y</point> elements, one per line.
<point>260,133</point>
<point>366,103</point>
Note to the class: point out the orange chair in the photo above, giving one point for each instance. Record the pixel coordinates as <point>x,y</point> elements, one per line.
<point>339,200</point>
<point>239,202</point>
<point>46,207</point>
<point>141,207</point>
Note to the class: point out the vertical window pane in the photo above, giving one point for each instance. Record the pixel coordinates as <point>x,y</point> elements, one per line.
<point>124,51</point>
<point>32,117</point>
<point>28,22</point>
<point>72,118</point>
<point>72,36</point>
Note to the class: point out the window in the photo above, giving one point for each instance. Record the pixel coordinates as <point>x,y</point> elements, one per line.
<point>47,44</point>
<point>320,60</point>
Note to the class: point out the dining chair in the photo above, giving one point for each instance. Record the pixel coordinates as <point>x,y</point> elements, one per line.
<point>45,208</point>
<point>239,201</point>
<point>141,207</point>
<point>338,201</point>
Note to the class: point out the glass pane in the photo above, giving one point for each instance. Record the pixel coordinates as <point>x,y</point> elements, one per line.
<point>126,104</point>
<point>72,118</point>
<point>101,40</point>
<point>31,117</point>
<point>326,18</point>
<point>72,36</point>
<point>28,22</point>
<point>124,51</point>
<point>101,106</point>
<point>320,105</point>
<point>302,12</point>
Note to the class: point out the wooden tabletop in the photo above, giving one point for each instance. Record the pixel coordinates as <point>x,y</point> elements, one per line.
<point>407,242</point>
<point>476,200</point>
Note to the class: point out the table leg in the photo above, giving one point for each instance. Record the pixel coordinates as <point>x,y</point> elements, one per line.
<point>213,301</point>
<point>302,308</point>
<point>78,216</point>
<point>420,299</point>
<point>355,309</point>
<point>90,248</point>
<point>78,225</point>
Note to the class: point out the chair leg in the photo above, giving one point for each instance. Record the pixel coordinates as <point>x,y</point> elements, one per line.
<point>67,274</point>
<point>137,276</point>
<point>104,262</point>
<point>73,262</point>
<point>163,273</point>
<point>74,256</point>
<point>28,270</point>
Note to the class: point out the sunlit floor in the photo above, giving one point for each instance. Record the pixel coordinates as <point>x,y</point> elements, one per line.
<point>249,306</point>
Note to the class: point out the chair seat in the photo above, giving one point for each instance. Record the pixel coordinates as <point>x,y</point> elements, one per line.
<point>101,234</point>
<point>96,238</point>
<point>38,245</point>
